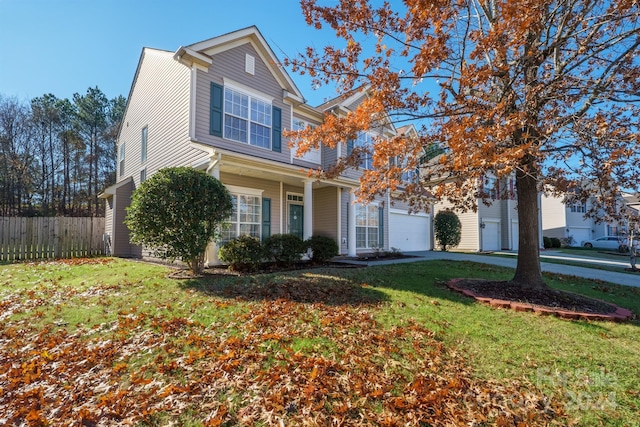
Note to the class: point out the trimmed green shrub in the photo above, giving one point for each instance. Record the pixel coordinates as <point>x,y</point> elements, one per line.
<point>448,229</point>
<point>244,253</point>
<point>555,242</point>
<point>546,242</point>
<point>322,248</point>
<point>177,212</point>
<point>284,249</point>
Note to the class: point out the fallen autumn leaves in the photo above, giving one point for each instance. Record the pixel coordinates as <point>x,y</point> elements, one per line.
<point>279,361</point>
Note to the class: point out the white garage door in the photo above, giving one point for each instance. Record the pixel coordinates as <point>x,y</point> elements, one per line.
<point>409,232</point>
<point>579,235</point>
<point>491,236</point>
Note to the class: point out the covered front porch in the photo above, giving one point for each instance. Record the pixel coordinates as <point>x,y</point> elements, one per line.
<point>272,198</point>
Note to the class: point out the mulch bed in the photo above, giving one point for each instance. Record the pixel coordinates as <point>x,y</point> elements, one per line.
<point>543,301</point>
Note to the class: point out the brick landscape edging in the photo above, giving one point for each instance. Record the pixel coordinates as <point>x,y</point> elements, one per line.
<point>620,315</point>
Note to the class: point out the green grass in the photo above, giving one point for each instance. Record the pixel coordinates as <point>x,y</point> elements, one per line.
<point>588,368</point>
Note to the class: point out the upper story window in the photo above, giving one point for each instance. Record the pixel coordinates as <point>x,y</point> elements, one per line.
<point>238,115</point>
<point>143,152</point>
<point>247,119</point>
<point>578,207</point>
<point>491,188</point>
<point>121,159</point>
<point>365,140</point>
<point>312,155</point>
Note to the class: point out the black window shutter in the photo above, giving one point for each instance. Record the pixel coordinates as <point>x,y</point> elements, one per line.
<point>276,129</point>
<point>266,218</point>
<point>215,119</point>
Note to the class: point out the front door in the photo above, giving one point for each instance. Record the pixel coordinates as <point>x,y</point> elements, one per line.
<point>296,223</point>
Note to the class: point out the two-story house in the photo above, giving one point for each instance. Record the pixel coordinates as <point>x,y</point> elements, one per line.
<point>221,105</point>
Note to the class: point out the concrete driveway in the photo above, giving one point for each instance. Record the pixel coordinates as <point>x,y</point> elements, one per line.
<point>627,279</point>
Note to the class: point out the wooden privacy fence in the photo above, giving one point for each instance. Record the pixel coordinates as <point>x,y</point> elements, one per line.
<point>50,237</point>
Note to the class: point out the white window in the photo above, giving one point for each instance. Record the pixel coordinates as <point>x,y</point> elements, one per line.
<point>408,175</point>
<point>578,207</point>
<point>245,218</point>
<point>491,188</point>
<point>247,118</point>
<point>122,159</point>
<point>365,140</point>
<point>367,224</point>
<point>143,175</point>
<point>313,155</point>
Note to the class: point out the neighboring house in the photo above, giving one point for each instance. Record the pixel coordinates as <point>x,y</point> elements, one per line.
<point>494,225</point>
<point>565,219</point>
<point>221,105</point>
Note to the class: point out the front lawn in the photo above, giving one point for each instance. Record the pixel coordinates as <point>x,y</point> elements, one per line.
<point>112,342</point>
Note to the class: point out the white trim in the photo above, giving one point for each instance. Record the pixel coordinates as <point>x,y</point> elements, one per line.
<point>192,103</point>
<point>248,90</point>
<point>234,189</point>
<point>255,38</point>
<point>295,202</point>
<point>405,212</point>
<point>281,207</point>
<point>339,216</point>
<point>250,64</point>
<point>367,227</point>
<point>489,220</point>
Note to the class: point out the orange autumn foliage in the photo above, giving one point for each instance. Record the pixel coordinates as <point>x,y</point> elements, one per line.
<point>544,91</point>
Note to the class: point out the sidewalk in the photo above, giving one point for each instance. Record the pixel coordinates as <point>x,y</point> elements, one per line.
<point>569,270</point>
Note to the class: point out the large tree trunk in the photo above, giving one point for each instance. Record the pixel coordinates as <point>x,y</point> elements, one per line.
<point>528,273</point>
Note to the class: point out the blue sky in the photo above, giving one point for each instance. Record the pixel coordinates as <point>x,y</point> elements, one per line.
<point>66,46</point>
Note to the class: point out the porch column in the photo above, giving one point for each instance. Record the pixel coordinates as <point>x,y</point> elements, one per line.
<point>307,230</point>
<point>211,253</point>
<point>351,221</point>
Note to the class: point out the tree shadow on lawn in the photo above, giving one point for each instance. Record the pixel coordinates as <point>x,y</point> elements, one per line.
<point>318,286</point>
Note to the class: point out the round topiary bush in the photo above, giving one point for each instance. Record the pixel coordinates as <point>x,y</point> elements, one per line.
<point>176,212</point>
<point>284,249</point>
<point>448,229</point>
<point>244,253</point>
<point>322,248</point>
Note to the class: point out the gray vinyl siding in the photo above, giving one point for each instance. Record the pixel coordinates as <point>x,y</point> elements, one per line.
<point>329,156</point>
<point>230,64</point>
<point>120,237</point>
<point>159,101</point>
<point>325,212</point>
